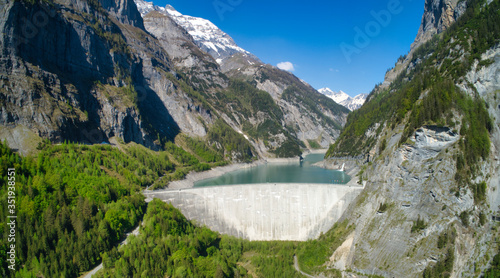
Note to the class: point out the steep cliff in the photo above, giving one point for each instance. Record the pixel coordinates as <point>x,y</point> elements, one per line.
<point>432,141</point>
<point>72,71</point>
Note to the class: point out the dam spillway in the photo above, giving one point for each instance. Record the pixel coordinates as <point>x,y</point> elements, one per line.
<point>265,211</point>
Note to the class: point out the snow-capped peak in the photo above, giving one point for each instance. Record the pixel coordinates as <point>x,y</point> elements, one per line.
<point>146,7</point>
<point>344,99</point>
<point>205,34</point>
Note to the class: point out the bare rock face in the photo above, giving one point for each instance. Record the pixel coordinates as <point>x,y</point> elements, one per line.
<point>183,51</point>
<point>415,182</point>
<point>50,63</point>
<point>86,72</point>
<point>125,11</point>
<point>486,81</point>
<point>438,16</point>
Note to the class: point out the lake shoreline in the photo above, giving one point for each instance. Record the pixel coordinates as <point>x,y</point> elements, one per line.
<point>192,177</point>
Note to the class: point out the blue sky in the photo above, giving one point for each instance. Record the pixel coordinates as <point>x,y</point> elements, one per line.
<point>343,45</point>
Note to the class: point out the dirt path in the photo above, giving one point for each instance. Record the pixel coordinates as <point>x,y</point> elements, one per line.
<point>296,264</point>
<point>97,268</point>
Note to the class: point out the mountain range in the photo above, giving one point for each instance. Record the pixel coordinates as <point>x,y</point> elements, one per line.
<point>340,97</point>
<point>146,74</point>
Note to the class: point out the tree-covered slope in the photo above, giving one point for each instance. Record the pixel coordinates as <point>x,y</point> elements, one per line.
<point>74,202</point>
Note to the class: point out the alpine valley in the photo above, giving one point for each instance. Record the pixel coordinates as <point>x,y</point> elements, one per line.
<point>105,100</point>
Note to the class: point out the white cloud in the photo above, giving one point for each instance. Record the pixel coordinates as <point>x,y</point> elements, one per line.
<point>286,66</point>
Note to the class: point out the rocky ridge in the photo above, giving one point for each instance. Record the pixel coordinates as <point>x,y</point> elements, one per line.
<point>97,70</point>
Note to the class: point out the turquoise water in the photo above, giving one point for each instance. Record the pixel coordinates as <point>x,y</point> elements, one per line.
<point>303,172</point>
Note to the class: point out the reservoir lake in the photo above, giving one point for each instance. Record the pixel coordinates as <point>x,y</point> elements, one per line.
<point>293,172</point>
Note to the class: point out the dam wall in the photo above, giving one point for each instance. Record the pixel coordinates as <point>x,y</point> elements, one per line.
<point>264,212</point>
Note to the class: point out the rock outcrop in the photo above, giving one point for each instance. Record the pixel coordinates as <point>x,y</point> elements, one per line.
<point>438,16</point>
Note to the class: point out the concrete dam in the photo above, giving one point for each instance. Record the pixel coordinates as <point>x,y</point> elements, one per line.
<point>264,212</point>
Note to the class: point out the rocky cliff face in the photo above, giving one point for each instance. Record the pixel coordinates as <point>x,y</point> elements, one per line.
<point>438,16</point>
<point>124,10</point>
<point>88,71</point>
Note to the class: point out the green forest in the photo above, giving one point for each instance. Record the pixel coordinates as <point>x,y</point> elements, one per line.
<point>76,202</point>
<point>73,203</point>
